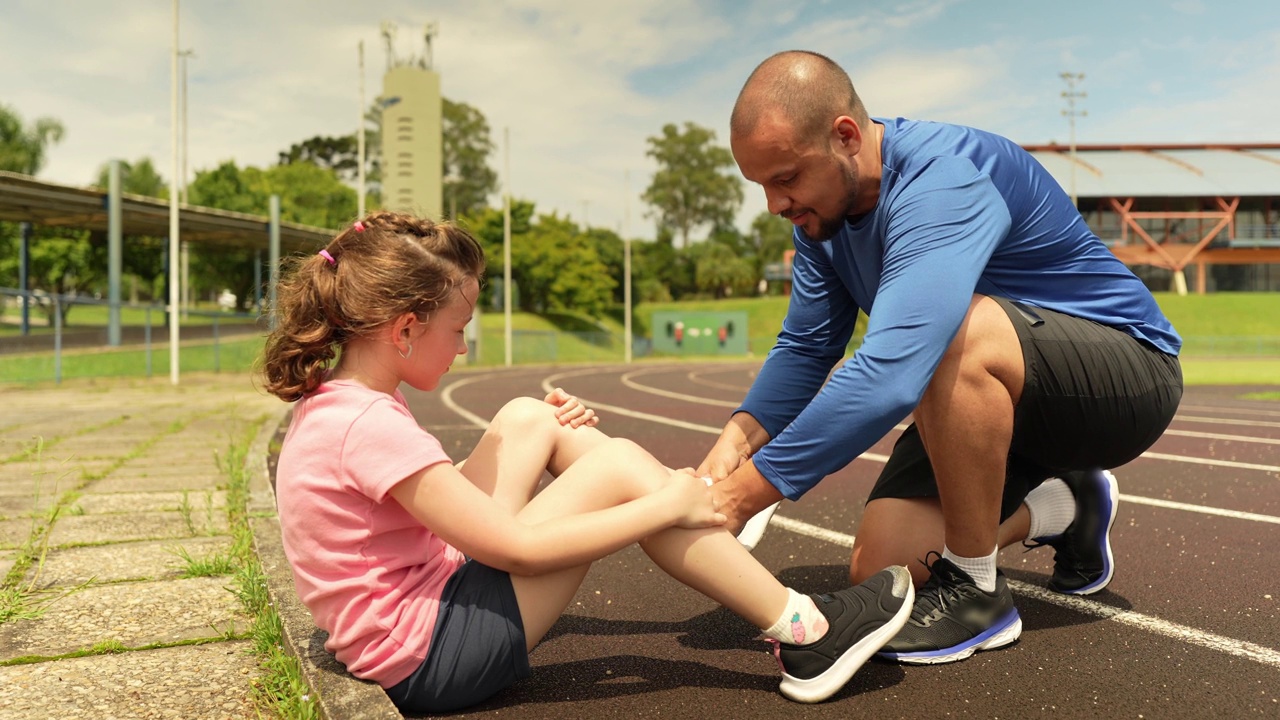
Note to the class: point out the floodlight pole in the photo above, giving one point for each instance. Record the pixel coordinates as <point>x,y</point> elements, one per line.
<point>506,243</point>
<point>1071,95</point>
<point>182,185</point>
<point>173,207</point>
<point>626,268</point>
<point>360,179</point>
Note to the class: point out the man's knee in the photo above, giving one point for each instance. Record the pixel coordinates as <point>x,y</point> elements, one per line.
<point>986,346</point>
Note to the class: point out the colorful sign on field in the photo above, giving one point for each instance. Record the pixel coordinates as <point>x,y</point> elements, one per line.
<point>677,332</point>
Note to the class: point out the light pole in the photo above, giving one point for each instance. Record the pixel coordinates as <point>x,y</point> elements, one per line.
<point>626,268</point>
<point>506,243</point>
<point>173,207</point>
<point>360,190</point>
<point>1071,95</point>
<point>451,180</point>
<point>186,247</point>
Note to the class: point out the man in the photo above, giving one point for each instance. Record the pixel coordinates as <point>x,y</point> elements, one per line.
<point>1021,346</point>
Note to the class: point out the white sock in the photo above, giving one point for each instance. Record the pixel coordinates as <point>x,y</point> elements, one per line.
<point>801,623</point>
<point>1052,507</point>
<point>981,569</point>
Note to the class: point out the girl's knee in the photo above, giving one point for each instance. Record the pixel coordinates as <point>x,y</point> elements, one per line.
<point>524,415</point>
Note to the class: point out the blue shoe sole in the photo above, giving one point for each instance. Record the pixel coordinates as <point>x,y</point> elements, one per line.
<point>1005,631</point>
<point>1112,500</point>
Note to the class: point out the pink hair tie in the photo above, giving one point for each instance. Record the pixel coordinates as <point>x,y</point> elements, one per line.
<point>359,226</point>
<point>325,254</point>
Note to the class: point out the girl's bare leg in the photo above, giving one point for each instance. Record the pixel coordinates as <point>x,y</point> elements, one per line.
<point>523,439</point>
<point>710,561</point>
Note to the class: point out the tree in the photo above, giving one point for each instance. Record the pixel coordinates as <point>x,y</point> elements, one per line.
<point>339,154</point>
<point>309,194</point>
<point>22,148</point>
<point>770,237</point>
<point>467,145</point>
<point>691,188</point>
<point>139,178</point>
<point>468,179</point>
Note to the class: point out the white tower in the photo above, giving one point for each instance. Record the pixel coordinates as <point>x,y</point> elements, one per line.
<point>412,140</point>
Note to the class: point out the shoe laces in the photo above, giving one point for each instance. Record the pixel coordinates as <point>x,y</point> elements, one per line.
<point>942,589</point>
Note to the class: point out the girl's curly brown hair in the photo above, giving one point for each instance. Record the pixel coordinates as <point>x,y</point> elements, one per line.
<point>383,266</point>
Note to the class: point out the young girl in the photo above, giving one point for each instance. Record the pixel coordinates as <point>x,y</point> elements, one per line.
<point>436,580</point>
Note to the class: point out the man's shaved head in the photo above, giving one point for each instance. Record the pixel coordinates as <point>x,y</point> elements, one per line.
<point>804,89</point>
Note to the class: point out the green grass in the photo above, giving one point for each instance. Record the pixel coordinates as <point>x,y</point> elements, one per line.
<point>97,316</point>
<point>1230,338</point>
<point>237,355</point>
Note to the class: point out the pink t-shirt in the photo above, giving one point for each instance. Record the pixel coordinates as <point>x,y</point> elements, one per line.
<point>370,573</point>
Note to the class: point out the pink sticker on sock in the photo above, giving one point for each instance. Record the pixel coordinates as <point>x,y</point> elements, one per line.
<point>797,629</point>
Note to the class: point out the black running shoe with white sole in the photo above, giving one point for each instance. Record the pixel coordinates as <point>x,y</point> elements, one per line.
<point>861,619</point>
<point>953,618</point>
<point>1082,562</point>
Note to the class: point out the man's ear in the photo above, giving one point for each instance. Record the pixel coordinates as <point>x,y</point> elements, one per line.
<point>847,135</point>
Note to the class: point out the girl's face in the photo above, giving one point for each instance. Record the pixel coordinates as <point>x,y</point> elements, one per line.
<point>441,339</point>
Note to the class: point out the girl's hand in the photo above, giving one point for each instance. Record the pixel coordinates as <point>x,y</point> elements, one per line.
<point>570,411</point>
<point>692,495</point>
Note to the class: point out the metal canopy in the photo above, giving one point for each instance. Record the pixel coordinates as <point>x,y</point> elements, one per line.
<point>1168,170</point>
<point>26,199</point>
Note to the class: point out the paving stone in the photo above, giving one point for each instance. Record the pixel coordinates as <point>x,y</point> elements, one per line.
<point>133,614</point>
<point>199,501</point>
<point>151,560</point>
<point>83,529</point>
<point>166,483</point>
<point>7,559</point>
<point>205,681</point>
<point>13,533</point>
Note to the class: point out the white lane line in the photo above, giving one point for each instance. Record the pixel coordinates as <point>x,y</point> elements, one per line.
<point>876,457</point>
<point>627,380</point>
<point>1171,505</point>
<point>446,397</point>
<point>1220,436</point>
<point>1226,409</point>
<point>1181,633</point>
<point>1210,461</point>
<point>697,379</point>
<point>1224,421</point>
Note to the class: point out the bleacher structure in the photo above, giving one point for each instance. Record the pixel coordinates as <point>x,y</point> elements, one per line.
<point>1164,209</point>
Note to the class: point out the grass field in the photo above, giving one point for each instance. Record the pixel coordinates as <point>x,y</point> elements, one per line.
<point>1232,338</point>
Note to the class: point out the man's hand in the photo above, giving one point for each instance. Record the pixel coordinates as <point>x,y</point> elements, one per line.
<point>723,459</point>
<point>742,494</point>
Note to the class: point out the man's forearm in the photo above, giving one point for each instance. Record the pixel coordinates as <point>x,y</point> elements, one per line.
<point>745,433</point>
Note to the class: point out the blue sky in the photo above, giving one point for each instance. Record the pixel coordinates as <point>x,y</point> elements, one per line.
<point>581,83</point>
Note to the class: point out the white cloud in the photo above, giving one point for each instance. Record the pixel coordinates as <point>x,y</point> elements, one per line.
<point>582,83</point>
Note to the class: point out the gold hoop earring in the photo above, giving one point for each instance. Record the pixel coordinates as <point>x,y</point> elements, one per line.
<point>405,355</point>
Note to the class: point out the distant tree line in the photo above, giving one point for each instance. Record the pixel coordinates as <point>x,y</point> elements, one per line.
<point>557,264</point>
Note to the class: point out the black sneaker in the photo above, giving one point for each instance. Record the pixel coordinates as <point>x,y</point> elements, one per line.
<point>860,619</point>
<point>1082,561</point>
<point>953,618</point>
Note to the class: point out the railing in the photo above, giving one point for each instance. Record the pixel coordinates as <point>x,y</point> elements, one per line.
<point>39,345</point>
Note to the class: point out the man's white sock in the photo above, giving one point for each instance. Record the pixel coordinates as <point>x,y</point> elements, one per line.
<point>981,569</point>
<point>1052,508</point>
<point>801,623</point>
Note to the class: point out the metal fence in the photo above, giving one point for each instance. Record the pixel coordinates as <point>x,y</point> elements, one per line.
<point>66,336</point>
<point>47,337</point>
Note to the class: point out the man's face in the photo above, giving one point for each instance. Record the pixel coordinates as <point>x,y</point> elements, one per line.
<point>810,184</point>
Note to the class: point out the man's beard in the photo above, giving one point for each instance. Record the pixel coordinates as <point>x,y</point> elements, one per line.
<point>830,227</point>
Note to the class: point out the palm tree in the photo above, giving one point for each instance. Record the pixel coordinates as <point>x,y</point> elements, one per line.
<point>22,148</point>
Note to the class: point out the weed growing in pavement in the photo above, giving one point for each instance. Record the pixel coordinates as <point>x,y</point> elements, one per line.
<point>280,689</point>
<point>207,566</point>
<point>184,509</point>
<point>21,597</point>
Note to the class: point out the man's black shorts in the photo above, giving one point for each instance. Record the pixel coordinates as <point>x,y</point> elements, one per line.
<point>1094,397</point>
